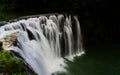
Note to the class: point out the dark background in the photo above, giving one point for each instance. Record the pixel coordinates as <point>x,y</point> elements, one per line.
<point>99,18</point>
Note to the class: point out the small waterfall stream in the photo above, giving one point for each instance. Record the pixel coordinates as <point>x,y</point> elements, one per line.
<point>43,42</point>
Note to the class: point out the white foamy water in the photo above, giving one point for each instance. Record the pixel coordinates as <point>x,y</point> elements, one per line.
<point>43,42</point>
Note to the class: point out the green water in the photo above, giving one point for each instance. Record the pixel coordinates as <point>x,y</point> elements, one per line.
<point>98,60</point>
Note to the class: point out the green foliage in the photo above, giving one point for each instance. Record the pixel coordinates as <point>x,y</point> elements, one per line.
<point>6,16</point>
<point>11,65</point>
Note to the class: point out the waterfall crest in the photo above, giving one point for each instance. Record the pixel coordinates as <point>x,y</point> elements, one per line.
<point>43,42</point>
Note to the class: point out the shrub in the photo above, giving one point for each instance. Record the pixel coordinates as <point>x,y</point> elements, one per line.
<point>10,65</point>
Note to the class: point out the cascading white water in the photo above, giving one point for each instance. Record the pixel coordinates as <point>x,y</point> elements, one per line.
<point>43,42</point>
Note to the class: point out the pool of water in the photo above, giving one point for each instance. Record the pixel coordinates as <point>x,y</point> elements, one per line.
<point>98,60</point>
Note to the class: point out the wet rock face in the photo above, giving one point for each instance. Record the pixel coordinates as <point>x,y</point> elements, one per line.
<point>8,41</point>
<point>3,23</point>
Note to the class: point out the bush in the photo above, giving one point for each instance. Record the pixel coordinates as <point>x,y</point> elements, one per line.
<point>10,65</point>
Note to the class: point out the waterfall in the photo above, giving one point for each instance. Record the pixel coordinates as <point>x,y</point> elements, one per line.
<point>43,42</point>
